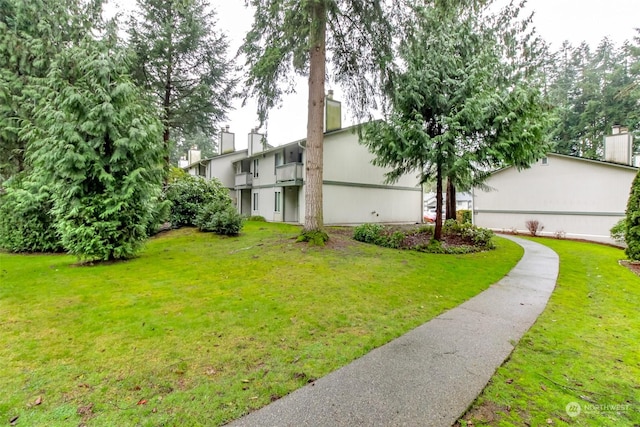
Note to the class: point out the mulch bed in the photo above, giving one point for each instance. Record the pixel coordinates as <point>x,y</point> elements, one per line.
<point>631,265</point>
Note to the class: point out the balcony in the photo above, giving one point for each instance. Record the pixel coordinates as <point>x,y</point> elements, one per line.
<point>290,173</point>
<point>244,179</point>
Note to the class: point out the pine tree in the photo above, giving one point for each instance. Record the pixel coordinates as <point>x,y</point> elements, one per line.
<point>290,37</point>
<point>182,62</point>
<point>465,99</point>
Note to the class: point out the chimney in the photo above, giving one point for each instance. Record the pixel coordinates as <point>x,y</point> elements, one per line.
<point>256,142</point>
<point>227,141</point>
<point>332,113</point>
<point>194,155</point>
<point>618,147</point>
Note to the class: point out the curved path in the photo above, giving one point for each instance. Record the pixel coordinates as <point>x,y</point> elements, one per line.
<point>431,375</point>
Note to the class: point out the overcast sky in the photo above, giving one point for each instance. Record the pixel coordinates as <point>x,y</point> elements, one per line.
<point>555,21</point>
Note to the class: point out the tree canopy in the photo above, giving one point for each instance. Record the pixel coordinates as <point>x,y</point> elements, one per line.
<point>592,90</point>
<point>300,37</point>
<point>181,61</point>
<point>464,99</point>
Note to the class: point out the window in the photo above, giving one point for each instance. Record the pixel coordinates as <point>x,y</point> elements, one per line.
<point>277,202</point>
<point>278,161</point>
<point>255,201</point>
<point>255,168</point>
<point>545,161</point>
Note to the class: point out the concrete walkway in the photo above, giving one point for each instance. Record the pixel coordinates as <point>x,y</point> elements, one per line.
<point>431,375</point>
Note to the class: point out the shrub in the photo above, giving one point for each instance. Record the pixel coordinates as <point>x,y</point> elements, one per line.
<point>632,230</point>
<point>534,227</point>
<point>257,218</point>
<point>188,195</point>
<point>219,217</point>
<point>26,222</point>
<point>463,216</point>
<point>369,233</point>
<point>619,230</point>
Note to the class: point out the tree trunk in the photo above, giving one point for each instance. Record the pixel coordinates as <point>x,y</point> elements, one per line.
<point>315,129</point>
<point>451,200</point>
<point>437,234</point>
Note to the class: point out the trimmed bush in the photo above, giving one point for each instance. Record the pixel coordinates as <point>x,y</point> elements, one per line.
<point>188,195</point>
<point>219,217</point>
<point>26,222</point>
<point>257,218</point>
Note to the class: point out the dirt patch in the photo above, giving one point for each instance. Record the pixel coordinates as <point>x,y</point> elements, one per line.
<point>487,412</point>
<point>340,238</point>
<point>631,265</point>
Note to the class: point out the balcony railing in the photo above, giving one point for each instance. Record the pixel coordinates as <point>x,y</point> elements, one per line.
<point>244,179</point>
<point>289,172</point>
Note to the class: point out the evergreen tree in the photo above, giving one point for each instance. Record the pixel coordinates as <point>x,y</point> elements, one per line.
<point>632,232</point>
<point>592,91</point>
<point>290,37</point>
<point>464,101</point>
<point>31,34</point>
<point>98,147</point>
<point>182,62</point>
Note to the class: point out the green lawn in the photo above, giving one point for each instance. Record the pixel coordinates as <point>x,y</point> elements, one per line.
<point>584,348</point>
<point>202,329</point>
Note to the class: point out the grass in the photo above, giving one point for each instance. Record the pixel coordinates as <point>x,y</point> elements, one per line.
<point>202,329</point>
<point>584,348</point>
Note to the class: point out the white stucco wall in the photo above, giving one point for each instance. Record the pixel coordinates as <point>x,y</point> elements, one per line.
<point>221,167</point>
<point>581,198</point>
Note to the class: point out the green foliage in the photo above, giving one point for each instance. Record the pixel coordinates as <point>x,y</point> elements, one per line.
<point>189,194</point>
<point>258,218</point>
<point>478,236</point>
<point>26,222</point>
<point>632,232</point>
<point>219,217</point>
<point>182,63</point>
<point>314,237</point>
<point>592,90</point>
<point>278,44</point>
<point>467,238</point>
<point>368,233</point>
<point>97,146</point>
<point>619,230</point>
<point>463,103</point>
<point>32,33</point>
<point>463,216</point>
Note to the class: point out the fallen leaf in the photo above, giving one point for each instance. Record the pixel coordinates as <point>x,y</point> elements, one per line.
<point>509,381</point>
<point>549,421</point>
<point>142,402</point>
<point>542,386</point>
<point>14,420</point>
<point>38,401</point>
<point>246,381</point>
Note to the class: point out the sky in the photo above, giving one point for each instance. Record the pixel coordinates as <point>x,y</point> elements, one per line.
<point>554,20</point>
